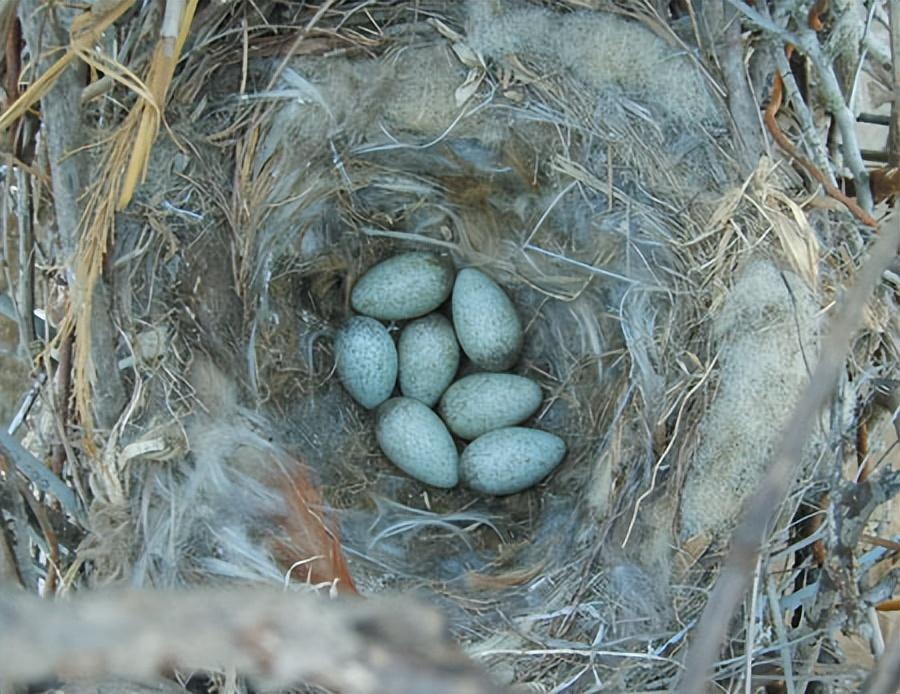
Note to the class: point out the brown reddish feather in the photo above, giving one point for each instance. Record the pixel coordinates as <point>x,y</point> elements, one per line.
<point>308,535</point>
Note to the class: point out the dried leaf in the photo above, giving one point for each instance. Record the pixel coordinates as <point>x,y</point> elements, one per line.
<point>798,240</point>
<point>444,30</point>
<point>467,56</point>
<point>468,88</point>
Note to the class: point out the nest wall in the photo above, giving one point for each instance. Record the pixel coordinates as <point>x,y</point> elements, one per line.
<point>603,195</point>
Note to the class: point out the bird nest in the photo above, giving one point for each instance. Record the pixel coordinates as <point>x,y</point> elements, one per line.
<point>674,303</point>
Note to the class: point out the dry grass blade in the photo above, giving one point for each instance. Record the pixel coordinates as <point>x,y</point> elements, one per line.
<point>129,150</point>
<point>86,31</point>
<point>745,542</point>
<point>174,32</point>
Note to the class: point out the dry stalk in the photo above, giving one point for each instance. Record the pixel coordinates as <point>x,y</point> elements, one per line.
<point>86,31</point>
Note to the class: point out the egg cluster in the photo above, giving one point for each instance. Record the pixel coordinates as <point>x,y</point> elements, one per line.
<point>483,408</point>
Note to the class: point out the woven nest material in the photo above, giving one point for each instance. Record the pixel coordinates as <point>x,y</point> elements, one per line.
<point>674,305</point>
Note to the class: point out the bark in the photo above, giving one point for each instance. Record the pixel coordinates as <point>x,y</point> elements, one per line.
<point>107,391</point>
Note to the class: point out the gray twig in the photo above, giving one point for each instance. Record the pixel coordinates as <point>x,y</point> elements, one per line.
<point>745,541</point>
<point>725,32</point>
<point>277,639</point>
<point>19,458</point>
<point>816,147</point>
<point>27,403</point>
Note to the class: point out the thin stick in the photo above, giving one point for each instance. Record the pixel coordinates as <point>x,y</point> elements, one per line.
<point>40,513</point>
<point>894,133</point>
<point>745,541</point>
<point>880,542</point>
<point>751,630</point>
<point>778,622</point>
<point>819,152</point>
<point>25,290</point>
<point>810,168</point>
<point>27,403</point>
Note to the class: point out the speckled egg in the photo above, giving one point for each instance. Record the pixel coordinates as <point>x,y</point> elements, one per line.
<point>415,439</point>
<point>429,357</point>
<point>509,460</point>
<point>482,402</point>
<point>404,286</point>
<point>487,325</point>
<point>366,360</point>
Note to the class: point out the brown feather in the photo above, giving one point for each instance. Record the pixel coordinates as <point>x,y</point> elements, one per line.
<point>307,539</point>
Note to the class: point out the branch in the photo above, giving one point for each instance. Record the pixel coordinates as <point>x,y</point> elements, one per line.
<point>846,121</point>
<point>808,166</point>
<point>277,639</point>
<point>745,541</point>
<point>817,149</point>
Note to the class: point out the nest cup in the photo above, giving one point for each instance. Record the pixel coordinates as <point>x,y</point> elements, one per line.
<point>549,190</point>
<point>377,156</point>
<point>584,178</point>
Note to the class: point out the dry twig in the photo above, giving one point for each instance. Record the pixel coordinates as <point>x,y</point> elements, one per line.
<point>894,138</point>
